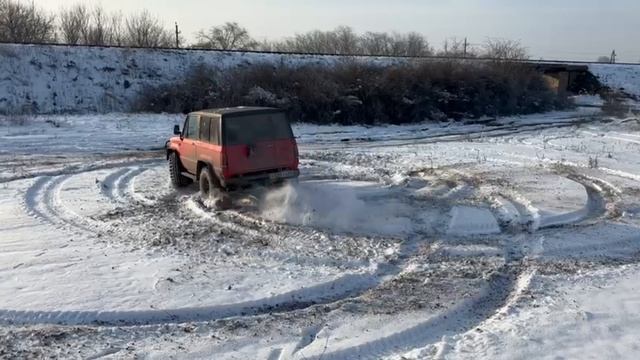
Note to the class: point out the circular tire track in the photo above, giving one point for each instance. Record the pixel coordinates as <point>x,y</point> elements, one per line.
<point>502,287</point>
<point>42,201</point>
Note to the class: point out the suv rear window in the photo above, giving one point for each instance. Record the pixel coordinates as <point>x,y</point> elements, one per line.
<point>250,129</point>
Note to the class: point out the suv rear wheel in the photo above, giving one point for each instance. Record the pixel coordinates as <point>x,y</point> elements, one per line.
<point>177,179</point>
<point>210,189</point>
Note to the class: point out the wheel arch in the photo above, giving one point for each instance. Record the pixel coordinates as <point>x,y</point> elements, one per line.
<point>170,151</point>
<point>203,164</point>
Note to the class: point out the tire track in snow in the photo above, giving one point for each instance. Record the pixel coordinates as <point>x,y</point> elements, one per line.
<point>616,136</point>
<point>79,169</point>
<point>131,188</point>
<point>601,198</point>
<point>118,186</point>
<point>503,287</point>
<point>109,187</point>
<point>453,135</point>
<point>595,206</point>
<point>496,291</point>
<point>42,201</point>
<point>324,293</point>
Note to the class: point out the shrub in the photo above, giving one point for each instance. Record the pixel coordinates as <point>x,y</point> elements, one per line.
<point>353,92</point>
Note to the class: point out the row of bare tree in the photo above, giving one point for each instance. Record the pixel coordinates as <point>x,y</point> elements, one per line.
<point>344,40</point>
<point>79,24</point>
<point>25,23</point>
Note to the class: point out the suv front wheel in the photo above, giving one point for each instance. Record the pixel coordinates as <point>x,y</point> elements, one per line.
<point>177,179</point>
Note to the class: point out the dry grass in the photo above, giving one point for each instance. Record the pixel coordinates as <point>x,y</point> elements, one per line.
<point>352,92</point>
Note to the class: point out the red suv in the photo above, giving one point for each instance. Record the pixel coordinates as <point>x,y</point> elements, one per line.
<point>231,147</point>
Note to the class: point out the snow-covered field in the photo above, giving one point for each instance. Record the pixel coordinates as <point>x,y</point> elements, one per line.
<point>516,238</point>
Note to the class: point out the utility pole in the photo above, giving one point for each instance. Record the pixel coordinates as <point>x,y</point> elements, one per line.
<point>177,36</point>
<point>613,56</point>
<point>465,48</point>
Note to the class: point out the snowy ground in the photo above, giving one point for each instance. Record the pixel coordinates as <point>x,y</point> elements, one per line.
<point>512,238</point>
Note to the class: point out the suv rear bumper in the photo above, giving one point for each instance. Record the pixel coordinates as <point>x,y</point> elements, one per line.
<point>264,178</point>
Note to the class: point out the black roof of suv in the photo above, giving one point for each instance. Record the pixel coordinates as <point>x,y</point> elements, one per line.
<point>238,111</point>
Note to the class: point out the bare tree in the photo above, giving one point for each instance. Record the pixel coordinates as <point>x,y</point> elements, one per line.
<point>504,50</point>
<point>229,36</point>
<point>116,31</point>
<point>376,43</point>
<point>416,45</point>
<point>74,23</point>
<point>25,23</point>
<point>314,42</point>
<point>144,30</point>
<point>455,47</point>
<point>340,41</point>
<point>80,25</point>
<point>398,45</point>
<point>266,45</point>
<point>411,44</point>
<point>345,41</point>
<point>97,33</point>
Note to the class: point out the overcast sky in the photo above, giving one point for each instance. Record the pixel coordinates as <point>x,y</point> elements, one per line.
<point>564,29</point>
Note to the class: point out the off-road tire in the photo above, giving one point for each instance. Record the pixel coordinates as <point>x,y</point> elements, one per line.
<point>210,189</point>
<point>177,179</point>
<point>206,183</point>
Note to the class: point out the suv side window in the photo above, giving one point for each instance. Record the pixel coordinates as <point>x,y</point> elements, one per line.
<point>191,130</point>
<point>185,127</point>
<point>215,130</point>
<point>205,129</point>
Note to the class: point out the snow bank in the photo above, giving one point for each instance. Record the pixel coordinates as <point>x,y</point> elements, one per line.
<point>618,77</point>
<point>53,79</point>
<point>49,79</point>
